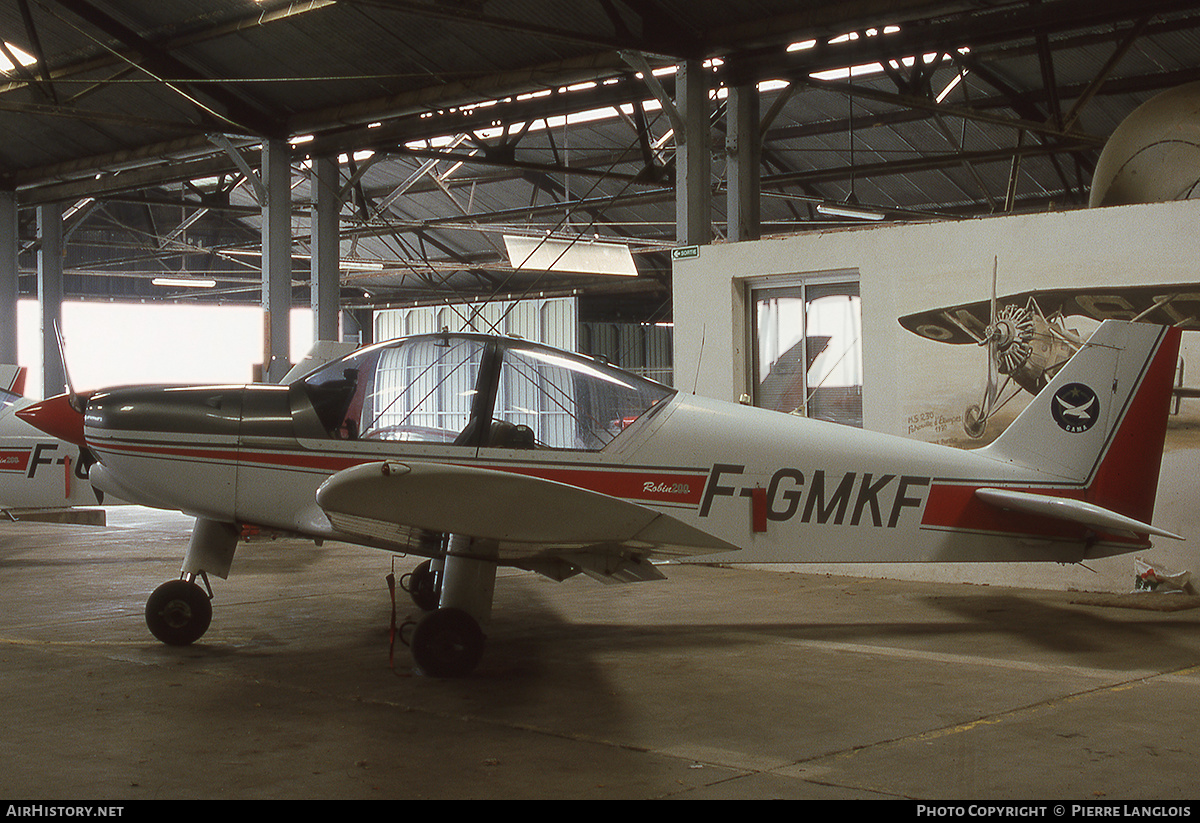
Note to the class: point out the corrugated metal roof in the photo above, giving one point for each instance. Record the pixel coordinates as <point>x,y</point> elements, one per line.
<point>123,104</point>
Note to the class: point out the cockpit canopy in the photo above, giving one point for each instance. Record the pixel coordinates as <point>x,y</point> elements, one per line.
<point>476,390</point>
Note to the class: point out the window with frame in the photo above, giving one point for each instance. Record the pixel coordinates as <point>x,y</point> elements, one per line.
<point>568,401</point>
<point>807,344</point>
<point>479,391</point>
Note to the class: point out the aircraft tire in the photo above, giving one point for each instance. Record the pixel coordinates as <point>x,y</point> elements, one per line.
<point>447,643</point>
<point>423,586</point>
<point>973,422</point>
<point>178,612</point>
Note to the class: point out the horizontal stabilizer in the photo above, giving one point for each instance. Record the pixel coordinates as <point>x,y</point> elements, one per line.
<point>1074,511</point>
<point>77,516</point>
<point>510,508</point>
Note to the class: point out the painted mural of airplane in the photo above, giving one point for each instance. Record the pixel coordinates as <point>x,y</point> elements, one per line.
<point>477,451</point>
<point>1028,339</point>
<point>39,476</point>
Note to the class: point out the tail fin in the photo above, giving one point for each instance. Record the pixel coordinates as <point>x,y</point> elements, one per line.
<point>1102,420</point>
<point>12,379</point>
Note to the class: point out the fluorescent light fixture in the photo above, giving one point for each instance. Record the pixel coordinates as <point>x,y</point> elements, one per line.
<point>579,256</point>
<point>834,210</point>
<point>184,282</point>
<point>349,264</point>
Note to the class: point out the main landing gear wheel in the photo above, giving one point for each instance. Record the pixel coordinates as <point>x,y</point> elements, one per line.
<point>424,586</point>
<point>447,643</point>
<point>178,612</point>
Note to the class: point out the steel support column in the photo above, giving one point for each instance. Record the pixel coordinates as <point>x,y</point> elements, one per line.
<point>324,283</point>
<point>693,159</point>
<point>276,258</point>
<point>50,295</point>
<point>363,321</point>
<point>10,287</point>
<point>743,147</point>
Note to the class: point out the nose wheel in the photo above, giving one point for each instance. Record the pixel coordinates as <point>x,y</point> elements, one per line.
<point>178,612</point>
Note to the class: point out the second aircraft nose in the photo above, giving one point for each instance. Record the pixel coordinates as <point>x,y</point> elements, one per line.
<point>57,416</point>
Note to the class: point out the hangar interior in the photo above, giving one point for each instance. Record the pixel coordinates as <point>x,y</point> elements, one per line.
<point>417,144</point>
<point>411,165</point>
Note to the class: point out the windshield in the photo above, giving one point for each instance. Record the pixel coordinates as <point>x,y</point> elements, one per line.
<point>570,402</point>
<point>436,388</point>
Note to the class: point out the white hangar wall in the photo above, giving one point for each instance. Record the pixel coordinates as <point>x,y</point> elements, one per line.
<point>917,387</point>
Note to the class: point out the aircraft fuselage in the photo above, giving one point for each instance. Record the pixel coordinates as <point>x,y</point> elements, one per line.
<point>778,487</point>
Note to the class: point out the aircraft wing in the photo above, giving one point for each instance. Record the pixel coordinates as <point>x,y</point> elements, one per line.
<point>525,515</point>
<point>1165,305</point>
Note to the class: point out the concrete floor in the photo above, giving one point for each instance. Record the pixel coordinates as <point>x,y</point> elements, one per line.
<point>718,683</point>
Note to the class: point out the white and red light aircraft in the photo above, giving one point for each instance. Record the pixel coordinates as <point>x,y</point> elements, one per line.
<point>38,474</point>
<point>479,451</point>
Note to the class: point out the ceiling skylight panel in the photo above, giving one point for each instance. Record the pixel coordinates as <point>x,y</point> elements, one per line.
<point>23,57</point>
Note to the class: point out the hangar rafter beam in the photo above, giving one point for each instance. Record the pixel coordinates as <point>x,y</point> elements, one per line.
<point>165,67</point>
<point>511,25</point>
<point>942,109</point>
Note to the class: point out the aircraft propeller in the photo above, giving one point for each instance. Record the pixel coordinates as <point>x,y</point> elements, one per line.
<point>1006,337</point>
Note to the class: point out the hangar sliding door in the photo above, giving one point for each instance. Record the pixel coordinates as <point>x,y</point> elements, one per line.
<point>807,344</point>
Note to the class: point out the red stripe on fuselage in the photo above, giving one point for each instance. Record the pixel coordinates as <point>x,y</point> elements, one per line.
<point>957,508</point>
<point>675,486</point>
<point>228,454</point>
<point>665,487</point>
<point>14,460</point>
<point>954,507</point>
